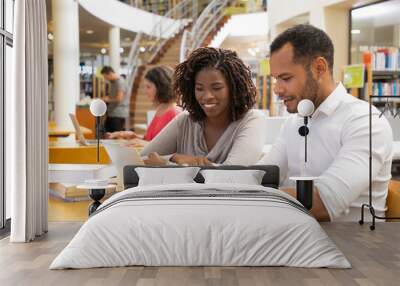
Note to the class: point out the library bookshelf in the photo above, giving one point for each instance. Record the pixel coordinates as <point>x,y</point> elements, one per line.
<point>378,83</point>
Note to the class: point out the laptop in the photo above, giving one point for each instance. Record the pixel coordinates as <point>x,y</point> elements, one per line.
<point>121,156</point>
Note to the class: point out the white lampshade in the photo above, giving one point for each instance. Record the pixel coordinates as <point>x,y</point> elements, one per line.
<point>305,108</point>
<point>98,107</point>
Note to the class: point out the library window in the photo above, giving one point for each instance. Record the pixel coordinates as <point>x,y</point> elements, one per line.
<point>376,28</point>
<point>375,42</point>
<point>9,12</point>
<point>6,44</point>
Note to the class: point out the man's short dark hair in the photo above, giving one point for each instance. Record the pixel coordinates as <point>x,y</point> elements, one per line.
<point>308,43</point>
<point>106,70</point>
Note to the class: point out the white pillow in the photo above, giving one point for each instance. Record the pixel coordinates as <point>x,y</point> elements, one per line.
<point>166,176</point>
<point>248,177</point>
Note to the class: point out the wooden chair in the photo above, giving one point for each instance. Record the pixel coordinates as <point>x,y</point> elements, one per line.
<point>393,199</point>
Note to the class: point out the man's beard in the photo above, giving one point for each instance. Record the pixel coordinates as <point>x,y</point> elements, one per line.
<point>311,88</point>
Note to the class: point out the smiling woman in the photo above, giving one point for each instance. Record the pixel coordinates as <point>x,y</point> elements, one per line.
<point>219,124</point>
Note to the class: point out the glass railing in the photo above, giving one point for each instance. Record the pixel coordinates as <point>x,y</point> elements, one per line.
<point>159,7</point>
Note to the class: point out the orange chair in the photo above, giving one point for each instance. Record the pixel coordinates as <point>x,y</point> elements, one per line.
<point>393,199</point>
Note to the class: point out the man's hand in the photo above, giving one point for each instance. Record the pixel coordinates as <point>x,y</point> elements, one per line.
<point>118,98</point>
<point>318,208</point>
<point>106,99</point>
<point>189,160</point>
<point>155,160</point>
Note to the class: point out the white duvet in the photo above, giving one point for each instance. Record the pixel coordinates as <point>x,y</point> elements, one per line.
<point>183,231</point>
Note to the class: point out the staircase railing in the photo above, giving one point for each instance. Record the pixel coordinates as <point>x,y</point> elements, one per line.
<point>145,48</point>
<point>205,23</point>
<point>183,13</point>
<point>133,61</point>
<point>159,7</point>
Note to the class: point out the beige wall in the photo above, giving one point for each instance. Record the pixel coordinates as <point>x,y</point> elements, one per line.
<point>337,26</point>
<point>283,10</point>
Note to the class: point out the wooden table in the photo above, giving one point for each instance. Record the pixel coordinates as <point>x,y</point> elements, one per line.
<point>59,132</point>
<point>73,153</point>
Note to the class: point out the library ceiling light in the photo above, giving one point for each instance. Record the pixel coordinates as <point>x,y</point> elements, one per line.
<point>142,49</point>
<point>89,32</point>
<point>355,31</point>
<point>103,51</point>
<point>121,50</point>
<point>50,36</point>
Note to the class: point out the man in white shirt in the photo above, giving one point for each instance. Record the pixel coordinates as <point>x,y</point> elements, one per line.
<point>338,142</point>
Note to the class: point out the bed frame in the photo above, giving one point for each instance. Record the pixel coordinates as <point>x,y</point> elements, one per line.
<point>270,179</point>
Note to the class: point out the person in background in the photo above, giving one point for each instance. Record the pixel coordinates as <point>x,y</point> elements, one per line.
<point>219,124</point>
<point>117,101</point>
<point>302,64</point>
<point>157,87</point>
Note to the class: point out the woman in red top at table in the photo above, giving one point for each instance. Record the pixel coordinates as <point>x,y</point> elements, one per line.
<point>158,88</point>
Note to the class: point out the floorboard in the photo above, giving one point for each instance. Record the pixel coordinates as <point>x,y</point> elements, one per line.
<point>374,255</point>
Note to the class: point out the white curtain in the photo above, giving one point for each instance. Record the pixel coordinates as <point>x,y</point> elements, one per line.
<point>27,112</point>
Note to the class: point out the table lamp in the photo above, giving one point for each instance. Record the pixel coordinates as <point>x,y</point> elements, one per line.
<point>304,184</point>
<point>96,187</point>
<point>98,108</point>
<point>305,109</point>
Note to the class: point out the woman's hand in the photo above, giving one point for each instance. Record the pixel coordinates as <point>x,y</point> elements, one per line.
<point>182,159</point>
<point>155,160</point>
<point>127,135</point>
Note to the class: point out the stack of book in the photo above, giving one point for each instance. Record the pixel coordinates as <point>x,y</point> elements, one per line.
<point>385,59</point>
<point>386,88</point>
<point>77,174</point>
<point>70,193</point>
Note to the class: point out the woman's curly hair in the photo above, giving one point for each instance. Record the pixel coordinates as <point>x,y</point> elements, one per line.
<point>161,77</point>
<point>242,91</point>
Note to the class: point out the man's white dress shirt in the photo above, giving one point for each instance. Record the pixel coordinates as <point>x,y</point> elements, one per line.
<point>338,154</point>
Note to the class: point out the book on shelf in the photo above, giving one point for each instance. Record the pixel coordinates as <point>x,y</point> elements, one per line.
<point>384,59</point>
<point>383,88</point>
<point>382,77</point>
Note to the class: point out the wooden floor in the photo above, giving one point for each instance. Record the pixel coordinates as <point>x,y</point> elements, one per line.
<point>375,257</point>
<point>60,211</point>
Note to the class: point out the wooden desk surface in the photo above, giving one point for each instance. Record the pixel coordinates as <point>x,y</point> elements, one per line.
<point>54,131</point>
<point>73,153</point>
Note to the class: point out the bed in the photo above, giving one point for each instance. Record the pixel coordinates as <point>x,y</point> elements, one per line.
<point>201,224</point>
